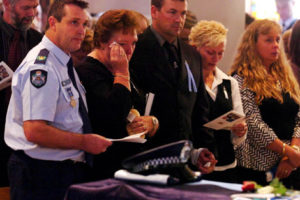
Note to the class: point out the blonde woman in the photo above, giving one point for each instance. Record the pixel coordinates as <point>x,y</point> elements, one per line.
<point>270,96</point>
<point>209,39</point>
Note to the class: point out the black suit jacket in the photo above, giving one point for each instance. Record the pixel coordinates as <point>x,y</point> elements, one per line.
<point>180,112</point>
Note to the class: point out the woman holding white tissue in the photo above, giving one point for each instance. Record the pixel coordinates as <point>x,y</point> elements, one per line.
<point>110,92</point>
<point>209,38</point>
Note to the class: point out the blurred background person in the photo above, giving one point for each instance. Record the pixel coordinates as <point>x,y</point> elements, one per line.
<point>286,42</point>
<point>248,19</point>
<point>270,96</point>
<point>110,92</point>
<point>142,20</point>
<point>85,48</point>
<point>285,11</point>
<point>209,38</point>
<point>190,21</point>
<point>294,49</point>
<point>16,39</point>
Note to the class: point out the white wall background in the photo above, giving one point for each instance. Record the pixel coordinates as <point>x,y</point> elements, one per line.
<point>142,6</point>
<point>230,12</point>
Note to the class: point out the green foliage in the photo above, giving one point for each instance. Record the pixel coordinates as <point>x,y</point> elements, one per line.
<point>279,188</point>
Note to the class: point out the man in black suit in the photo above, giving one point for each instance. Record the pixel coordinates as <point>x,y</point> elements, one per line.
<point>171,69</point>
<point>16,39</point>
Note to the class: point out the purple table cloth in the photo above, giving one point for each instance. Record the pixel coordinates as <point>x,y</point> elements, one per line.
<point>117,189</point>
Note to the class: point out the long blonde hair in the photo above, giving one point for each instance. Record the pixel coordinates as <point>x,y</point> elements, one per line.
<point>248,64</point>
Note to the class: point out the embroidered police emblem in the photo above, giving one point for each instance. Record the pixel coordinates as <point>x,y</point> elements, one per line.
<point>42,57</point>
<point>38,78</point>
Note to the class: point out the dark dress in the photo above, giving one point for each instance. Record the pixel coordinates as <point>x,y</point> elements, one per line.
<point>108,107</point>
<point>28,40</point>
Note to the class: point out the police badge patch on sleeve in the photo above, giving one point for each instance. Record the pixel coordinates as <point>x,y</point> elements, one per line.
<point>38,78</point>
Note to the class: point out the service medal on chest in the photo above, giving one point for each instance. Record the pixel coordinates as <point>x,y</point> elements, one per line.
<point>73,102</point>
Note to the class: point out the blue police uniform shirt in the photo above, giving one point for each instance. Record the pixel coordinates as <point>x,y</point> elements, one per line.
<point>51,102</point>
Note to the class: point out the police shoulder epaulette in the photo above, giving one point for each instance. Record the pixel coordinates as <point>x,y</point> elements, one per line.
<point>42,57</point>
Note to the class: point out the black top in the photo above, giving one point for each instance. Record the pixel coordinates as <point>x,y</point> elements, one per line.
<point>108,103</point>
<point>108,107</point>
<point>280,117</point>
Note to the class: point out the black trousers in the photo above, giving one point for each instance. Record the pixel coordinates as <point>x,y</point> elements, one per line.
<point>32,179</point>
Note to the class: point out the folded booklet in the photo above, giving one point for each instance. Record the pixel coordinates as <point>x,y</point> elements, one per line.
<point>225,121</point>
<point>160,179</point>
<point>5,75</point>
<point>135,138</point>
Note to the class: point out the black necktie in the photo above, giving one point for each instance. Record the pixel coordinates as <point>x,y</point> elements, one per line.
<point>173,57</point>
<point>87,128</point>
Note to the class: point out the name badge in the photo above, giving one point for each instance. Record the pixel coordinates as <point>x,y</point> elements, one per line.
<point>66,82</point>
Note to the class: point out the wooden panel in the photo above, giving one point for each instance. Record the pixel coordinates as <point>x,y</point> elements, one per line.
<point>4,193</point>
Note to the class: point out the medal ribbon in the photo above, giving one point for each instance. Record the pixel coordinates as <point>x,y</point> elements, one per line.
<point>191,80</point>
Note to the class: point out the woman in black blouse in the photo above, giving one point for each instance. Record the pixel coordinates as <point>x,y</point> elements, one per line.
<point>271,98</point>
<point>110,93</point>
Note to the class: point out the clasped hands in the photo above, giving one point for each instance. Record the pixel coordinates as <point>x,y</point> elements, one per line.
<point>142,124</point>
<point>288,164</point>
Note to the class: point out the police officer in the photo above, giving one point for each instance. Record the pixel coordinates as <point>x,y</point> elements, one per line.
<point>47,112</point>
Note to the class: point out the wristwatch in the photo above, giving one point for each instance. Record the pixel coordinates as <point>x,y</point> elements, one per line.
<point>155,126</point>
<point>154,122</point>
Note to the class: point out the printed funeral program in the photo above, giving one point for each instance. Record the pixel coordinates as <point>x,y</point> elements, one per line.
<point>5,75</point>
<point>225,121</point>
